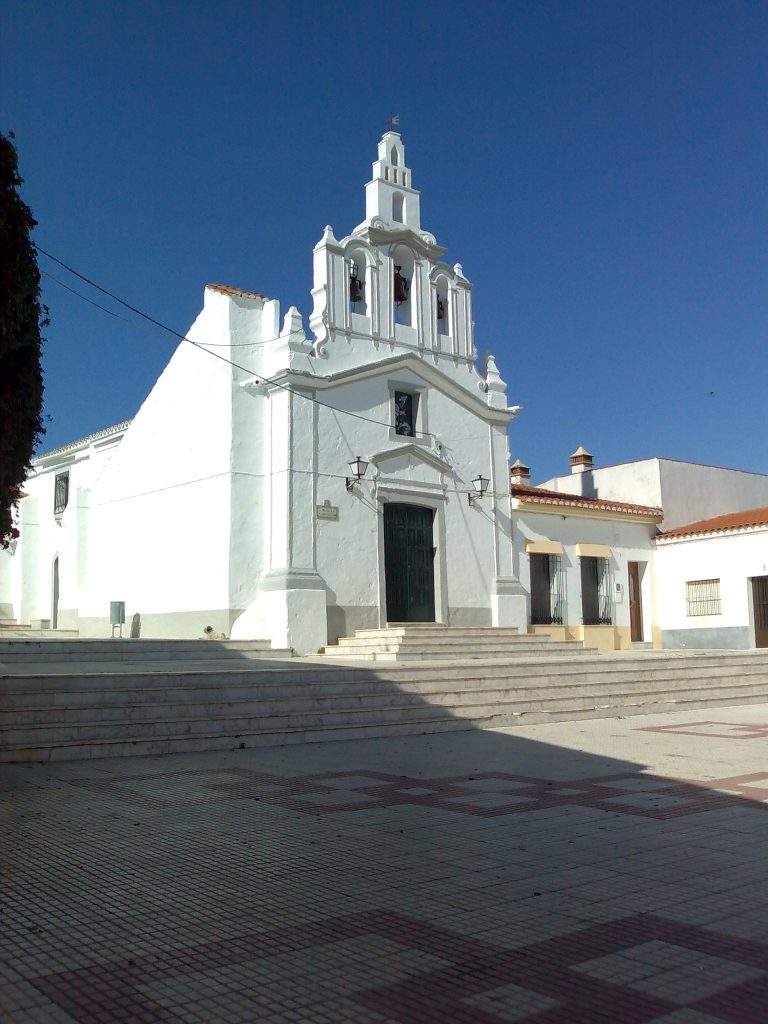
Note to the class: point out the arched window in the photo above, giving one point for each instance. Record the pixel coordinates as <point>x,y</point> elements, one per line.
<point>402,285</point>
<point>397,207</point>
<point>358,291</point>
<point>394,159</point>
<point>442,307</point>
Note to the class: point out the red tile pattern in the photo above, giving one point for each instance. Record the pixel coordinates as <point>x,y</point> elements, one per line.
<point>542,983</point>
<point>480,794</point>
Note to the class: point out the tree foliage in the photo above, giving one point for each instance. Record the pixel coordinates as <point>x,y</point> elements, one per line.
<point>22,319</point>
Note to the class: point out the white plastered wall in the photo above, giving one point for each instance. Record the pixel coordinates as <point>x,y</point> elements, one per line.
<point>162,511</point>
<point>730,558</point>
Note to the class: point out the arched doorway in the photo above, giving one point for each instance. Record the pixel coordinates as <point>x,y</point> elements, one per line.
<point>409,556</point>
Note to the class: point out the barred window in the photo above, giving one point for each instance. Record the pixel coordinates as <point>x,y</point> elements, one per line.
<point>547,590</point>
<point>596,603</point>
<point>60,493</point>
<point>702,597</point>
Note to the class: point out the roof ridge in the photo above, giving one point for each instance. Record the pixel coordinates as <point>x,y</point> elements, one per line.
<point>546,496</point>
<point>228,289</point>
<point>718,524</point>
<point>95,436</point>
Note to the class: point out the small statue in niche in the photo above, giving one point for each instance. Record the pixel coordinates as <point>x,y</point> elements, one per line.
<point>356,286</point>
<point>402,286</point>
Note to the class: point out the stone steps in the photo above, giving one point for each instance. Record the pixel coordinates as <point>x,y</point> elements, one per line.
<point>279,734</point>
<point>265,705</point>
<point>197,691</point>
<point>290,716</point>
<point>80,651</point>
<point>542,671</point>
<point>157,707</point>
<point>91,698</point>
<point>414,642</point>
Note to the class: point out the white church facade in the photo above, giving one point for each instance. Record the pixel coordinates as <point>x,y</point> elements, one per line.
<point>235,500</point>
<point>297,486</point>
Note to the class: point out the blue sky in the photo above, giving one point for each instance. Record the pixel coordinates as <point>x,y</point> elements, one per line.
<point>598,168</point>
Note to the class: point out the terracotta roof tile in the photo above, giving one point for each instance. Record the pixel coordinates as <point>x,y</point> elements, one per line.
<point>542,496</point>
<point>226,289</point>
<point>719,524</point>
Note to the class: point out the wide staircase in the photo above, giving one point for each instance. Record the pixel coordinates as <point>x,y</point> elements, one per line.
<point>63,700</point>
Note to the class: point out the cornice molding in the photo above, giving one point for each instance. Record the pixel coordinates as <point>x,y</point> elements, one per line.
<point>430,374</point>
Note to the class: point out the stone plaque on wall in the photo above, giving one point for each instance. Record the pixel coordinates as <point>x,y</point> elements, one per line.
<point>327,511</point>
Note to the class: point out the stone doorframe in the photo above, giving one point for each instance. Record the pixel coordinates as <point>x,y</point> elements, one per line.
<point>390,492</point>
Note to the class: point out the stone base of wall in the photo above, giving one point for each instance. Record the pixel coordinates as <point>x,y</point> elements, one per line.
<point>604,638</point>
<point>469,617</point>
<point>344,620</point>
<point>163,625</point>
<point>732,638</point>
<point>67,618</point>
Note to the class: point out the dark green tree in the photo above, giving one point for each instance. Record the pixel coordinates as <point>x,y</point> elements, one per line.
<point>22,320</point>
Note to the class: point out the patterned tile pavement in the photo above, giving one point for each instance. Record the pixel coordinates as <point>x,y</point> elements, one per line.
<point>606,872</point>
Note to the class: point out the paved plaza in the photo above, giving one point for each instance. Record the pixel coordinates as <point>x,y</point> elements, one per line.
<point>601,871</point>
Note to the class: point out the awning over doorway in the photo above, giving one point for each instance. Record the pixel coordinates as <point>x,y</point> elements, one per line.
<point>593,551</point>
<point>544,547</point>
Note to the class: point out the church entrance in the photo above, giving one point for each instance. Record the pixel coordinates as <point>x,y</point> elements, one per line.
<point>409,563</point>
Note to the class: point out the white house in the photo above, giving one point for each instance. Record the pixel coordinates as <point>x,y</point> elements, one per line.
<point>715,582</point>
<point>701,584</point>
<point>586,562</point>
<point>685,490</point>
<point>44,573</point>
<point>233,499</point>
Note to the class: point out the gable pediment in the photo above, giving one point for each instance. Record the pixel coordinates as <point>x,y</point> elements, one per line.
<point>410,464</point>
<point>413,453</point>
<point>430,374</point>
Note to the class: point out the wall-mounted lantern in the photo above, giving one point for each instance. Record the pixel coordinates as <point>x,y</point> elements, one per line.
<point>359,468</point>
<point>480,485</point>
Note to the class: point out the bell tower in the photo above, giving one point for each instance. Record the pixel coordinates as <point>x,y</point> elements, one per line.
<point>389,195</point>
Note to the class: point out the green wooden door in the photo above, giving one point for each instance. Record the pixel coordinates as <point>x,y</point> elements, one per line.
<point>409,563</point>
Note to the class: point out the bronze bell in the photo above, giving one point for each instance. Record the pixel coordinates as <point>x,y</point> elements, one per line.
<point>440,309</point>
<point>402,286</point>
<point>356,286</point>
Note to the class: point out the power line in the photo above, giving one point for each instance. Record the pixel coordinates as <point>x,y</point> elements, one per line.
<point>80,295</point>
<point>200,345</point>
<point>111,312</point>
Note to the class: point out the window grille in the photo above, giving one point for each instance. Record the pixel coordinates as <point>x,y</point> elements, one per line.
<point>547,590</point>
<point>60,493</point>
<point>405,413</point>
<point>702,597</point>
<point>596,596</point>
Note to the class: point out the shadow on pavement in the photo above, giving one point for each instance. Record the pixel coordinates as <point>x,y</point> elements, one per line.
<point>472,877</point>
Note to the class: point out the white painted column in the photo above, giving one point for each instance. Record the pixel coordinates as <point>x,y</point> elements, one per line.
<point>509,604</point>
<point>290,608</point>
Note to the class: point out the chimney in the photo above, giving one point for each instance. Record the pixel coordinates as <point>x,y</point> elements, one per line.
<point>519,473</point>
<point>581,460</point>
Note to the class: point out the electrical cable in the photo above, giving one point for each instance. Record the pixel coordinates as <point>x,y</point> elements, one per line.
<point>202,347</point>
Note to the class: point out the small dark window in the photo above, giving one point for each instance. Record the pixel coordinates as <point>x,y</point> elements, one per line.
<point>60,493</point>
<point>405,413</point>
